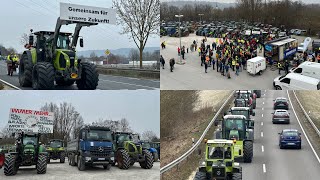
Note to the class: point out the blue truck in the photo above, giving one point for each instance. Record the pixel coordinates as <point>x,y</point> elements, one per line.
<point>93,146</point>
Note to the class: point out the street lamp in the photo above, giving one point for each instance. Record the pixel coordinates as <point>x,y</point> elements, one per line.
<point>179,16</point>
<point>200,17</point>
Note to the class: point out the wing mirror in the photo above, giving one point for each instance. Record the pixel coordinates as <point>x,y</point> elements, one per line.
<point>81,42</point>
<point>31,40</point>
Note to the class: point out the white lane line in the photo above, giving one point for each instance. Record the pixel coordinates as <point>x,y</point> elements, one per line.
<point>261,134</point>
<point>264,94</point>
<point>262,102</point>
<point>262,115</point>
<point>262,109</point>
<point>265,90</point>
<point>261,123</point>
<point>264,168</point>
<point>262,148</point>
<point>128,84</point>
<point>305,135</point>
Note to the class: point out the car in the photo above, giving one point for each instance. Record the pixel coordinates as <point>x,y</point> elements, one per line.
<point>281,103</point>
<point>290,138</point>
<point>281,116</point>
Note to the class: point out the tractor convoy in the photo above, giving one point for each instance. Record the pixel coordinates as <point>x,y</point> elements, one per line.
<point>233,141</point>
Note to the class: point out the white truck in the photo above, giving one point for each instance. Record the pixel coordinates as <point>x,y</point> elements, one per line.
<point>311,69</point>
<point>256,65</point>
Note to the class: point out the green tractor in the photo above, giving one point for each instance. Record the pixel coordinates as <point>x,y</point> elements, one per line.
<point>129,150</point>
<point>233,127</point>
<point>28,152</point>
<point>56,150</point>
<point>52,59</point>
<point>249,122</point>
<point>219,162</point>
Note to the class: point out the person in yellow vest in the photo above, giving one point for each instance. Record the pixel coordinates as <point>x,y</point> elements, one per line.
<point>199,51</point>
<point>279,66</point>
<point>233,63</point>
<point>12,63</point>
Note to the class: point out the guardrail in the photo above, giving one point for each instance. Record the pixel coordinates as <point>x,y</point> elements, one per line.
<point>306,114</point>
<point>195,146</point>
<point>129,72</point>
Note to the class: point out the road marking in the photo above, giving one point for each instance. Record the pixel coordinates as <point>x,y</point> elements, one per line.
<point>305,135</point>
<point>262,115</point>
<point>11,85</point>
<point>264,94</point>
<point>261,123</point>
<point>261,134</point>
<point>262,109</point>
<point>262,102</point>
<point>264,168</point>
<point>262,148</point>
<point>265,90</point>
<point>154,88</point>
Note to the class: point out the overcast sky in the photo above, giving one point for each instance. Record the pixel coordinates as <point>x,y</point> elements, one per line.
<point>19,16</point>
<point>233,1</point>
<point>140,108</point>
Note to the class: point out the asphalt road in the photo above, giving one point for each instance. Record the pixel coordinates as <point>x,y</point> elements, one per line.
<point>192,76</point>
<point>271,162</point>
<point>106,82</point>
<point>55,171</point>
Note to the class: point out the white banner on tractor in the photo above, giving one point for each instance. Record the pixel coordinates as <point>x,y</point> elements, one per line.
<point>74,12</point>
<point>30,121</point>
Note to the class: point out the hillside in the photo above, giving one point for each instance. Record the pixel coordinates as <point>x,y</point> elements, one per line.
<point>212,3</point>
<point>122,51</point>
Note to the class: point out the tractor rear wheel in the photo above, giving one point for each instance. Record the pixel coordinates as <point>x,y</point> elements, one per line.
<point>155,157</point>
<point>89,77</point>
<point>43,76</point>
<point>148,163</point>
<point>42,164</point>
<point>200,176</point>
<point>236,176</point>
<point>123,159</point>
<point>62,157</point>
<point>81,163</point>
<point>25,71</point>
<point>247,151</point>
<point>10,166</point>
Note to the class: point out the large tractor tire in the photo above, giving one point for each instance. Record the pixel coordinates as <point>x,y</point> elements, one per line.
<point>10,166</point>
<point>123,159</point>
<point>247,151</point>
<point>72,160</point>
<point>81,163</point>
<point>42,164</point>
<point>62,157</point>
<point>155,157</point>
<point>236,176</point>
<point>25,71</point>
<point>200,176</point>
<point>43,76</point>
<point>148,163</point>
<point>89,77</point>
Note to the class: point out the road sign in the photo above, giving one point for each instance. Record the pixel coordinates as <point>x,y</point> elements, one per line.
<point>30,121</point>
<point>107,52</point>
<point>91,14</point>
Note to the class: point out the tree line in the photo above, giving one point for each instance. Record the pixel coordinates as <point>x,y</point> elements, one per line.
<point>68,121</point>
<point>292,14</point>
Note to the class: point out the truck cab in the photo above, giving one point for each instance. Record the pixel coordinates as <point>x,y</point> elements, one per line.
<point>94,146</point>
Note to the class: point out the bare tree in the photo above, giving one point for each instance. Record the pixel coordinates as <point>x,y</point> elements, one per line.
<point>150,136</point>
<point>124,125</point>
<point>134,55</point>
<point>24,39</point>
<point>140,18</point>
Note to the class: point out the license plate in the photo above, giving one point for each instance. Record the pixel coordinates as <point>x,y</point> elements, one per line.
<point>280,120</point>
<point>291,143</point>
<point>101,159</point>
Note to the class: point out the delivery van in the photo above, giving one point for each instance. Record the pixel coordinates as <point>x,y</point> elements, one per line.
<point>311,69</point>
<point>293,81</point>
<point>256,65</point>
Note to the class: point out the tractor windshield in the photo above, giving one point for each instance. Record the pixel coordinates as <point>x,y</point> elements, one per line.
<point>99,135</point>
<point>234,129</point>
<point>239,112</point>
<point>240,103</point>
<point>219,152</point>
<point>29,140</point>
<point>63,42</point>
<point>146,145</point>
<point>124,137</point>
<point>55,144</point>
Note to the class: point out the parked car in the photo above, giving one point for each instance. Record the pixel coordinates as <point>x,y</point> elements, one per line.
<point>290,138</point>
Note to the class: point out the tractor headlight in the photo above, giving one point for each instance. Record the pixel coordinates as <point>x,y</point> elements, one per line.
<point>88,158</point>
<point>112,158</point>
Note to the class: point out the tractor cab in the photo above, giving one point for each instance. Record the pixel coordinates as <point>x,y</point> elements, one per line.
<point>219,161</point>
<point>45,38</point>
<point>245,111</point>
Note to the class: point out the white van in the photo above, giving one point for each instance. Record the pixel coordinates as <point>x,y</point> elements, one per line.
<point>294,81</point>
<point>256,65</point>
<point>311,69</point>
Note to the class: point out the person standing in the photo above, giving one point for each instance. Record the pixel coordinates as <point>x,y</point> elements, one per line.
<point>227,71</point>
<point>178,51</point>
<point>206,66</point>
<point>286,66</point>
<point>199,51</point>
<point>279,67</point>
<point>213,62</point>
<point>162,61</point>
<point>182,53</point>
<point>172,62</point>
<point>237,69</point>
<point>233,63</point>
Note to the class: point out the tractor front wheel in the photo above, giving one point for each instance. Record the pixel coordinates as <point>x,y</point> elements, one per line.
<point>200,176</point>
<point>236,176</point>
<point>43,76</point>
<point>89,77</point>
<point>123,159</point>
<point>81,163</point>
<point>148,163</point>
<point>247,151</point>
<point>25,71</point>
<point>10,166</point>
<point>62,157</point>
<point>42,164</point>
